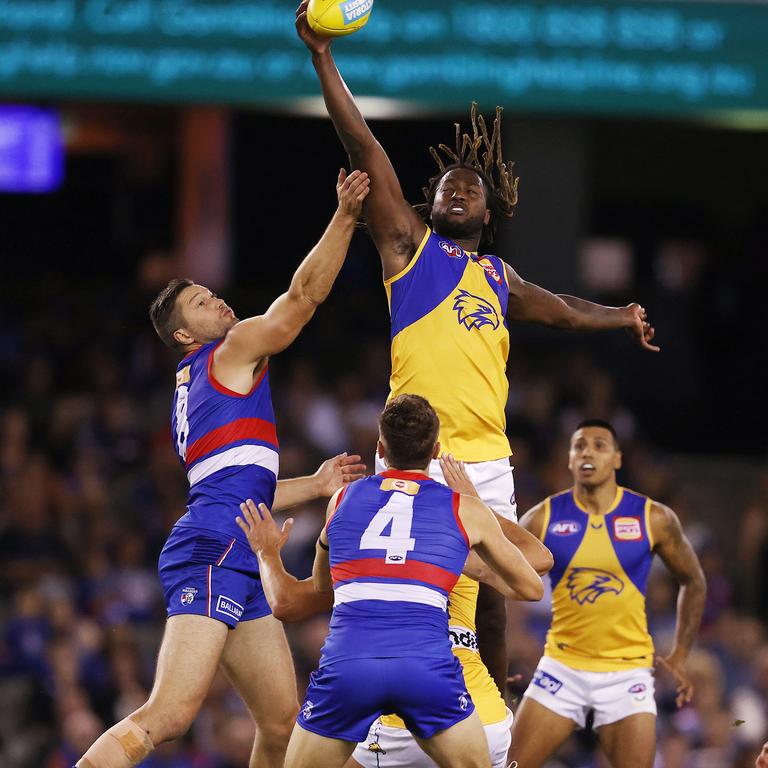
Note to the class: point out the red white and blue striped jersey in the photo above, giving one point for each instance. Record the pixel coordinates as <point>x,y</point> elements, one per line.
<point>226,441</point>
<point>397,547</point>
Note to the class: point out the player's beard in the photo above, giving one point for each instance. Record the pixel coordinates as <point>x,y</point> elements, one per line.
<point>469,228</point>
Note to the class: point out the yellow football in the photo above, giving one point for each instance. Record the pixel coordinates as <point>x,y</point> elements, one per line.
<point>334,18</point>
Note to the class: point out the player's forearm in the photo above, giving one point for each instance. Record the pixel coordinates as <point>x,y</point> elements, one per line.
<point>534,551</point>
<point>350,124</point>
<point>315,276</point>
<point>690,607</point>
<point>289,598</point>
<point>585,315</point>
<point>295,490</point>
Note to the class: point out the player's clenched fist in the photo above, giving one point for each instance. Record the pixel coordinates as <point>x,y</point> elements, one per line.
<point>352,191</point>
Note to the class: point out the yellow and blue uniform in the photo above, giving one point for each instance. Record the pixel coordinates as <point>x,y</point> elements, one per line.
<point>599,582</point>
<point>450,344</point>
<point>462,604</point>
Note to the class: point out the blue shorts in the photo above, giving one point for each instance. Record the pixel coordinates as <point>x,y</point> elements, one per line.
<point>345,697</point>
<point>206,574</point>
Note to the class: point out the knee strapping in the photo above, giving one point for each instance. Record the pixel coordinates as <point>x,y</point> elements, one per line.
<point>123,746</point>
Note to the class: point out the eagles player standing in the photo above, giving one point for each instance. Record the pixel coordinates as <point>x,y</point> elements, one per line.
<point>599,655</point>
<point>450,304</point>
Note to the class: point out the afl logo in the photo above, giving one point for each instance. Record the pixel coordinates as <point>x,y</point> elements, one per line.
<point>565,528</point>
<point>452,250</point>
<point>490,269</point>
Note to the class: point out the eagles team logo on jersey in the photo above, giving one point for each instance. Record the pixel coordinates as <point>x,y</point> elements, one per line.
<point>585,585</point>
<point>452,250</point>
<point>474,311</point>
<point>627,529</point>
<point>374,746</point>
<point>565,527</point>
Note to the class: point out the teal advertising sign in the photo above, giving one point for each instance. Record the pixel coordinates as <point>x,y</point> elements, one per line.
<point>673,58</point>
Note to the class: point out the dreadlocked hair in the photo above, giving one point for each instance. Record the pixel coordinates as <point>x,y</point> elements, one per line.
<point>482,154</point>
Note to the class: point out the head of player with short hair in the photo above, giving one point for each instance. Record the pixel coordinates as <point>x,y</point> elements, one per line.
<point>408,430</point>
<point>594,455</point>
<point>469,195</point>
<point>186,315</point>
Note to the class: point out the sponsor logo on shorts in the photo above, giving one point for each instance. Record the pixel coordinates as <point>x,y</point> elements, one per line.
<point>188,595</point>
<point>638,688</point>
<point>306,710</point>
<point>462,637</point>
<point>229,607</point>
<point>355,9</point>
<point>452,250</point>
<point>627,529</point>
<point>565,527</point>
<point>585,585</point>
<point>463,701</point>
<point>546,682</point>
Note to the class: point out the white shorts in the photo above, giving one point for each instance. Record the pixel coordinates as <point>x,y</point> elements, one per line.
<point>388,747</point>
<point>572,692</point>
<point>492,479</point>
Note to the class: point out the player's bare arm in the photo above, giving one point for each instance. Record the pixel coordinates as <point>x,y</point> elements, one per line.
<point>289,598</point>
<point>533,520</point>
<point>331,475</point>
<point>501,555</point>
<point>248,343</point>
<point>529,303</point>
<point>673,547</point>
<point>395,227</point>
<point>533,550</point>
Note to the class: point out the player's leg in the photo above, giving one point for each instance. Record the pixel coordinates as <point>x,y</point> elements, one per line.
<point>187,662</point>
<point>258,661</point>
<point>537,732</point>
<point>463,745</point>
<point>311,750</point>
<point>630,742</point>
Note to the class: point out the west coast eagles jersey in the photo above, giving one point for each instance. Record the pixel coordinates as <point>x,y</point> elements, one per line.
<point>450,344</point>
<point>598,582</point>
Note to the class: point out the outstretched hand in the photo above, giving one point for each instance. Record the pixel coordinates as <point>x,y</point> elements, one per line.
<point>456,476</point>
<point>261,529</point>
<point>316,43</point>
<point>641,330</point>
<point>676,668</point>
<point>334,473</point>
<point>352,191</point>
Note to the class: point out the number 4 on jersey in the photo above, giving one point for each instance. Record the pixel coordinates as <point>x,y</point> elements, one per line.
<point>399,512</point>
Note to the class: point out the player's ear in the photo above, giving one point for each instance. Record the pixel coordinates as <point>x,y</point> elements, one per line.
<point>182,336</point>
<point>436,450</point>
<point>380,451</point>
<point>487,216</point>
<point>617,460</point>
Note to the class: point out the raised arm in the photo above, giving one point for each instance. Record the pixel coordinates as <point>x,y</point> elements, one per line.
<point>673,547</point>
<point>289,598</point>
<point>395,227</point>
<point>500,554</point>
<point>251,341</point>
<point>528,303</point>
<point>331,475</point>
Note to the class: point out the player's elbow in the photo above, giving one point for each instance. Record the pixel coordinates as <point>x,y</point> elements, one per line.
<point>285,611</point>
<point>543,562</point>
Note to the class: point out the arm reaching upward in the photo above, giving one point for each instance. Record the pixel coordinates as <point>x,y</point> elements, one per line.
<point>251,341</point>
<point>395,227</point>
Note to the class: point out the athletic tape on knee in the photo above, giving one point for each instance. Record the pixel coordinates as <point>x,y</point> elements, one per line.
<point>123,746</point>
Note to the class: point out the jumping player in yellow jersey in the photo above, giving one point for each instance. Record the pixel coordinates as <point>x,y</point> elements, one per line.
<point>599,655</point>
<point>389,744</point>
<point>450,304</point>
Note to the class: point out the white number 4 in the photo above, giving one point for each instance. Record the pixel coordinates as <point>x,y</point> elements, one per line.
<point>398,511</point>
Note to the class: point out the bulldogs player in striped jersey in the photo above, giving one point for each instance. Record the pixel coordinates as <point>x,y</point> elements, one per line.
<point>599,654</point>
<point>224,434</point>
<point>392,549</point>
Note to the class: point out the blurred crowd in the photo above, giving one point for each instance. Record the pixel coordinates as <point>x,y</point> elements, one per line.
<point>90,487</point>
